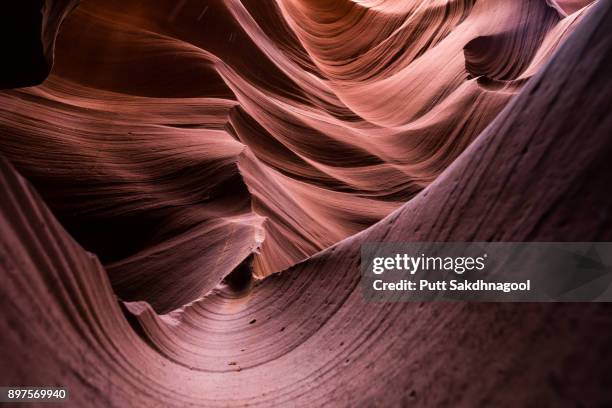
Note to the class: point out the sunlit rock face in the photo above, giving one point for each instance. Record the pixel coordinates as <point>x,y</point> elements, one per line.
<point>186,193</point>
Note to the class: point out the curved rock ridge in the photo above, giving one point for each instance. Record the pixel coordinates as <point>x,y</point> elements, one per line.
<point>190,235</point>
<point>179,141</point>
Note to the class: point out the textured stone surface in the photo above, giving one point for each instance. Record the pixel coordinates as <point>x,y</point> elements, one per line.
<point>492,126</point>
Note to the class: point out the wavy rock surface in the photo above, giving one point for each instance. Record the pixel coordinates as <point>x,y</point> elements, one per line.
<point>200,150</point>
<point>178,143</point>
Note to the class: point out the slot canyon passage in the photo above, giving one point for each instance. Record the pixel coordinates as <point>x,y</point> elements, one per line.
<point>186,186</point>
